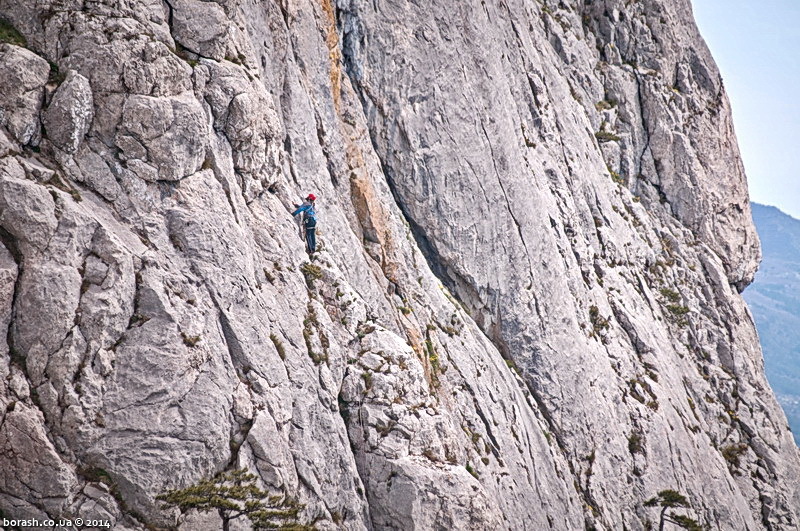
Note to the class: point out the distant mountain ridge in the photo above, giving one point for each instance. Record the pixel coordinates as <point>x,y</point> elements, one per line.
<point>774,299</point>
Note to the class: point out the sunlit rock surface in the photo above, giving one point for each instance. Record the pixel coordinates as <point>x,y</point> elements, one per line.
<point>524,311</point>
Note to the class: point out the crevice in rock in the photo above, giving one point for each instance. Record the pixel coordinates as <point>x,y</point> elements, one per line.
<point>235,350</point>
<point>645,123</point>
<point>505,195</point>
<point>495,446</point>
<point>556,432</point>
<point>18,358</point>
<point>345,410</point>
<point>321,138</point>
<point>179,45</point>
<point>10,243</point>
<point>211,159</point>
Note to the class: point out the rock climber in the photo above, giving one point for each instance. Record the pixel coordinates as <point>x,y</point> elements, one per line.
<point>308,222</point>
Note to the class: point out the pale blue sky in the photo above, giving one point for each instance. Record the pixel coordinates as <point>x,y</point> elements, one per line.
<point>756,45</point>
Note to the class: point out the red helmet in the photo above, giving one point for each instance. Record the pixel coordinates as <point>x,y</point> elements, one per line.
<point>311,197</point>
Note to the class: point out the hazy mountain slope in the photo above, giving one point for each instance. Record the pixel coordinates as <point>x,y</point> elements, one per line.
<point>524,313</point>
<point>774,299</point>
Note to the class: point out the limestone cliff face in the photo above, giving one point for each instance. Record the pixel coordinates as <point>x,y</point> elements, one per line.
<point>524,313</point>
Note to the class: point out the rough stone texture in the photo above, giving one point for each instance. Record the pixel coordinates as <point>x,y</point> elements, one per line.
<point>534,227</point>
<point>590,146</point>
<point>200,27</point>
<point>22,92</point>
<point>70,113</point>
<point>162,138</point>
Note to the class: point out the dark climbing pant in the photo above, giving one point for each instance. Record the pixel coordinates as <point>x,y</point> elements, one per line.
<point>311,240</point>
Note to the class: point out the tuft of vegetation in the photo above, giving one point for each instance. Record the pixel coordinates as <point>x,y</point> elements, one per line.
<point>190,341</point>
<point>512,365</point>
<point>307,332</point>
<point>691,403</point>
<point>312,272</point>
<point>733,452</point>
<point>364,329</point>
<point>677,309</point>
<point>433,358</point>
<point>367,377</point>
<point>136,319</point>
<point>590,459</point>
<point>10,35</point>
<point>599,322</point>
<point>471,470</point>
<point>651,371</point>
<point>604,105</point>
<point>678,314</point>
<point>474,437</point>
<point>635,445</point>
<point>278,346</point>
<point>615,176</point>
<point>184,53</point>
<point>631,62</point>
<point>450,331</point>
<point>634,384</point>
<point>58,182</point>
<point>574,94</point>
<point>310,324</point>
<point>670,499</point>
<point>97,475</point>
<point>56,76</point>
<point>606,136</point>
<point>235,494</point>
<point>671,295</point>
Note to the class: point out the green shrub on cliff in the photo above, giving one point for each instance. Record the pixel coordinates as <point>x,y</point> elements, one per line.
<point>234,494</point>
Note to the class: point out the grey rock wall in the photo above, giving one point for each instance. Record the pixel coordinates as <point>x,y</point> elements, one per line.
<point>524,313</point>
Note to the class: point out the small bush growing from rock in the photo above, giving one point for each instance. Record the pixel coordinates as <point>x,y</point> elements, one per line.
<point>677,309</point>
<point>670,499</point>
<point>635,445</point>
<point>235,494</point>
<point>278,346</point>
<point>599,322</point>
<point>190,341</point>
<point>604,105</point>
<point>732,452</point>
<point>312,272</point>
<point>605,136</point>
<point>9,34</point>
<point>671,295</point>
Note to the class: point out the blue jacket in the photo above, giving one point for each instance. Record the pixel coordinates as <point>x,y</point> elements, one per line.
<point>308,208</point>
